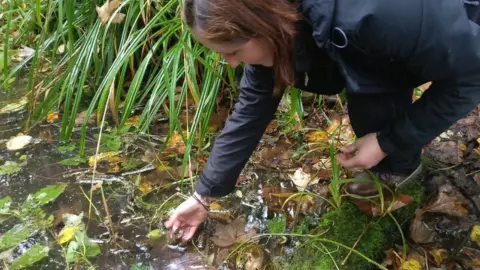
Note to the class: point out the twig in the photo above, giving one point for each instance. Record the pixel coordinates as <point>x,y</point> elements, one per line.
<point>356,243</point>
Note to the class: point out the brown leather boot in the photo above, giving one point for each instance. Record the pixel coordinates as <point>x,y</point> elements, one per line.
<point>368,189</point>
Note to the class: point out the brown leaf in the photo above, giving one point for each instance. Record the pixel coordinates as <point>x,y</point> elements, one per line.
<point>375,209</point>
<point>108,8</point>
<point>81,118</point>
<point>234,232</point>
<point>419,232</point>
<point>317,136</point>
<point>448,203</point>
<point>107,162</point>
<point>175,144</point>
<point>439,255</point>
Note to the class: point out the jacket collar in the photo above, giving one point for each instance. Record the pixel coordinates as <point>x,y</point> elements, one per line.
<point>319,13</point>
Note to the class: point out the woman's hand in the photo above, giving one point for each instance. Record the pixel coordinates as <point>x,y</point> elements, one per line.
<point>187,217</point>
<point>363,154</point>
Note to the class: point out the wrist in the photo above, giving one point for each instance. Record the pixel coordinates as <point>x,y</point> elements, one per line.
<point>203,200</point>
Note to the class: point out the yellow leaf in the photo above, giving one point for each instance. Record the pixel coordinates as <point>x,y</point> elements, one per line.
<point>317,136</point>
<point>411,264</point>
<point>52,117</point>
<point>67,233</point>
<point>439,255</point>
<point>108,8</point>
<point>215,206</point>
<point>462,147</point>
<point>162,168</point>
<point>475,235</point>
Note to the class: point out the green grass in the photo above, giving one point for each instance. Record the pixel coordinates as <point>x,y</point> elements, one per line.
<point>148,63</point>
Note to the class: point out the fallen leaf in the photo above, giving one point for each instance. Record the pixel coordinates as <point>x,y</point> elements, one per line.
<point>108,8</point>
<point>232,233</point>
<point>390,206</point>
<point>448,203</point>
<point>30,257</point>
<point>18,142</point>
<point>317,136</point>
<point>411,264</point>
<point>419,232</point>
<point>67,234</point>
<point>9,168</point>
<point>155,234</point>
<point>475,234</point>
<point>302,179</point>
<point>439,255</point>
<point>13,107</point>
<point>52,117</point>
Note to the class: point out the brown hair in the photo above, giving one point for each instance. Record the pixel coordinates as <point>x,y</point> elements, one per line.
<point>224,21</point>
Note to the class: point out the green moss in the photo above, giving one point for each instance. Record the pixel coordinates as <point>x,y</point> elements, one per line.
<point>277,224</point>
<point>345,225</point>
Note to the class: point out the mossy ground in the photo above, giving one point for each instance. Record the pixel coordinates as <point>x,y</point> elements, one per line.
<point>345,225</point>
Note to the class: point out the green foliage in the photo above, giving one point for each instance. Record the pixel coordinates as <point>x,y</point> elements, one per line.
<point>277,224</point>
<point>45,195</point>
<point>67,148</point>
<point>31,256</point>
<point>131,164</point>
<point>5,203</point>
<point>73,161</point>
<point>10,168</point>
<point>345,225</point>
<point>14,236</point>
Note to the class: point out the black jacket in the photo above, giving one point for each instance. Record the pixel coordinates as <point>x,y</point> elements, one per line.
<point>369,45</point>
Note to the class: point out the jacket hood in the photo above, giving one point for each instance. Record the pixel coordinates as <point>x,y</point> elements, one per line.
<point>319,13</point>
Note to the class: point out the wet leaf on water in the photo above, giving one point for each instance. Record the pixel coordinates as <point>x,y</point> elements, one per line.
<point>448,203</point>
<point>48,194</point>
<point>10,167</point>
<point>51,117</point>
<point>92,249</point>
<point>475,234</point>
<point>439,255</point>
<point>67,234</point>
<point>411,264</point>
<point>155,234</point>
<point>109,7</point>
<point>18,142</point>
<point>31,256</point>
<point>419,232</point>
<point>73,161</point>
<point>140,267</point>
<point>14,236</point>
<point>109,162</point>
<point>277,224</point>
<point>5,203</point>
<point>72,251</point>
<point>67,148</point>
<point>14,106</point>
<point>234,232</point>
<point>302,179</point>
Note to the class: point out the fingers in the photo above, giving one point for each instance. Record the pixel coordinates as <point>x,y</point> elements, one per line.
<point>170,221</point>
<point>349,149</point>
<point>349,161</point>
<point>188,233</point>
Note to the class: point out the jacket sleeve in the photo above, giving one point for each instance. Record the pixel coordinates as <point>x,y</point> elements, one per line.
<point>436,42</point>
<point>242,132</point>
